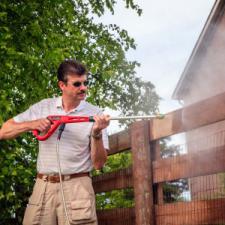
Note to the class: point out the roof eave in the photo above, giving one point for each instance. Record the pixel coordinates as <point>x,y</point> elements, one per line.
<point>204,37</point>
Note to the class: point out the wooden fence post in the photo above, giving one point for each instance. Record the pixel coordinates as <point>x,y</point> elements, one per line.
<point>142,173</point>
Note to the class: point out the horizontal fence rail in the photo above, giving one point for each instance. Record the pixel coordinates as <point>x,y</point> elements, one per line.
<point>191,213</point>
<point>119,142</point>
<point>202,113</point>
<point>112,181</point>
<point>190,165</point>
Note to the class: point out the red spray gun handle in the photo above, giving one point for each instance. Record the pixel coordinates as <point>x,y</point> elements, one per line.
<point>57,121</point>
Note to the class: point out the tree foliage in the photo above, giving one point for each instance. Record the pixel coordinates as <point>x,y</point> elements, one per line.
<point>35,36</point>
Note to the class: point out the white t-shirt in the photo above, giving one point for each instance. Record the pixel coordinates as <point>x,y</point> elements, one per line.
<point>74,146</point>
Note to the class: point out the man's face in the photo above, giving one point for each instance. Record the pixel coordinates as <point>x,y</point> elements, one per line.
<point>75,87</point>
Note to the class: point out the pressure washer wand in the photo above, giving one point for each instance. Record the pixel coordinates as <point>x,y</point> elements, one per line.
<point>160,116</point>
<point>57,120</point>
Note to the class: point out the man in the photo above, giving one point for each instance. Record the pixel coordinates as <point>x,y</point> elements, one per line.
<point>82,147</point>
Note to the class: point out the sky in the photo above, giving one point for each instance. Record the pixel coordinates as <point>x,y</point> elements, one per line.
<point>165,35</point>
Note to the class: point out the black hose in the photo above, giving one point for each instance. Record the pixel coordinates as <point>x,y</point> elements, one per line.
<point>61,129</point>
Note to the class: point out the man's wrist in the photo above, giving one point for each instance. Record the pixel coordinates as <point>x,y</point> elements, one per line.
<point>97,135</point>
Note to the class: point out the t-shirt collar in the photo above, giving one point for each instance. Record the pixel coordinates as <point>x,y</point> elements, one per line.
<point>60,105</point>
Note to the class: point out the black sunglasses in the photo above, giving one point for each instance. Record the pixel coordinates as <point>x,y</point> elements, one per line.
<point>78,83</point>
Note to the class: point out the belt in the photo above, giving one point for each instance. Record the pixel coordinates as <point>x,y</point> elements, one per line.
<point>55,178</point>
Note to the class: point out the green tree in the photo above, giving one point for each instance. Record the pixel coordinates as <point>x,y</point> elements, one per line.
<point>35,36</point>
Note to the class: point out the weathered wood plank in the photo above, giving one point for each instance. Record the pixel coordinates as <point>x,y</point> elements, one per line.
<point>202,113</point>
<point>169,125</point>
<point>123,216</point>
<point>192,165</point>
<point>112,181</point>
<point>142,173</point>
<point>119,142</point>
<point>196,212</point>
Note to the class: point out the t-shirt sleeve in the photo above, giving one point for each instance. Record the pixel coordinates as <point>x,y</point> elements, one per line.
<point>32,113</point>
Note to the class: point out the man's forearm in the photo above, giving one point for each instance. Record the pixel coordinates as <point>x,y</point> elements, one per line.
<point>11,129</point>
<point>98,153</point>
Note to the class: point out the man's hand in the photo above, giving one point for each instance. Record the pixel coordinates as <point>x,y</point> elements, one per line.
<point>42,125</point>
<point>101,122</point>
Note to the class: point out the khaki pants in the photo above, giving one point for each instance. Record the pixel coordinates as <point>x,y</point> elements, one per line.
<point>45,205</point>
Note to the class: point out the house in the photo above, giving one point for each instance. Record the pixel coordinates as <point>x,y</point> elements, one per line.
<point>203,77</point>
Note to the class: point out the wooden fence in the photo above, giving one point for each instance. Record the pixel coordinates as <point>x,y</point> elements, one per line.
<point>149,171</point>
